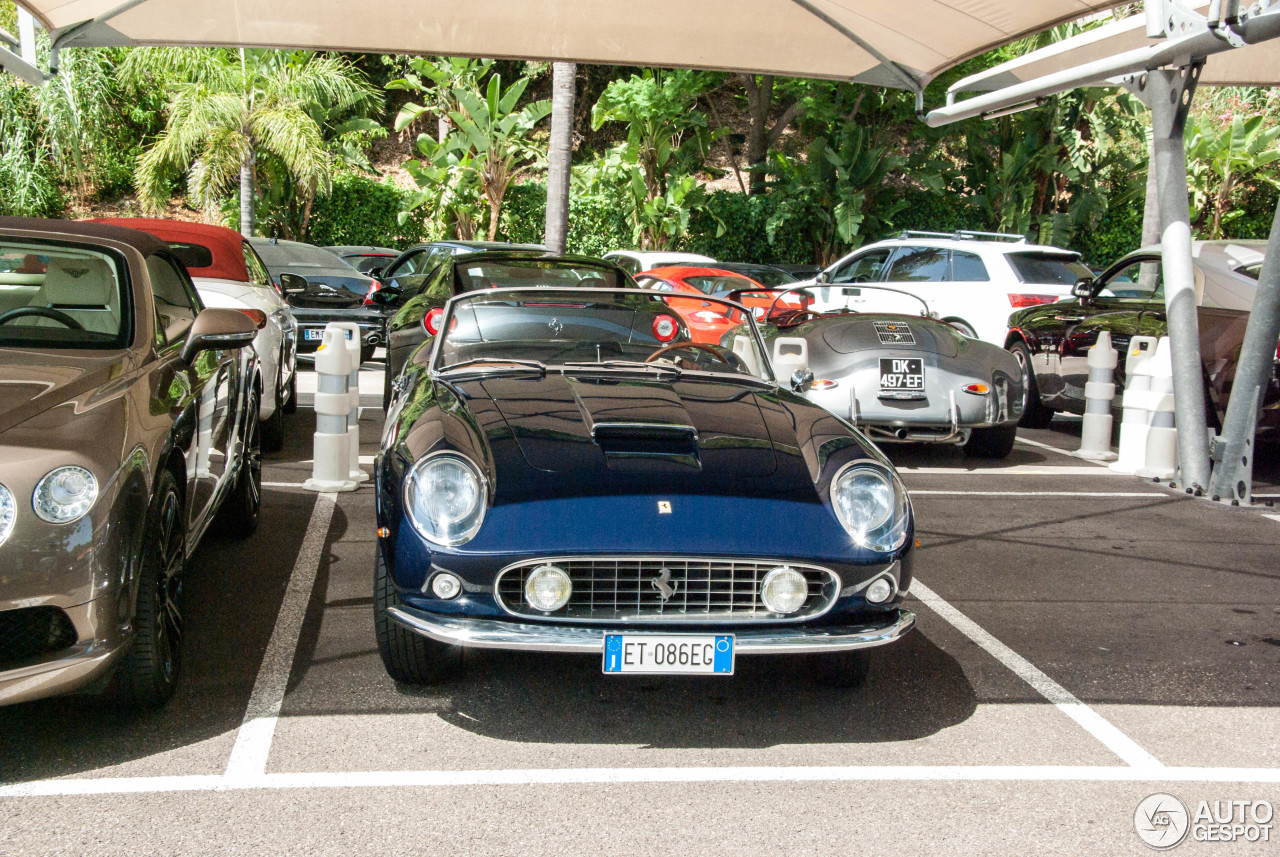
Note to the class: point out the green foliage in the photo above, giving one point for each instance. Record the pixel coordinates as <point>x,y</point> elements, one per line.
<point>1221,152</point>
<point>596,222</point>
<point>359,210</point>
<point>746,236</point>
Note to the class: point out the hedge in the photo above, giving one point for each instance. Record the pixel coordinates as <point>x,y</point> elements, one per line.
<point>359,210</point>
<point>596,222</point>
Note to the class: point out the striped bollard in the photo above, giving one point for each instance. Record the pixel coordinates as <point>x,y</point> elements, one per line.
<point>1135,416</point>
<point>1161,460</point>
<point>353,390</point>
<point>1099,390</point>
<point>330,466</point>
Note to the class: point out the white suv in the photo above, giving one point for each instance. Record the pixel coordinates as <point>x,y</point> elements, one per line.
<point>974,280</point>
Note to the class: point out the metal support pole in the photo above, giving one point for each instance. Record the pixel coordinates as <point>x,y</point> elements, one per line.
<point>1168,93</point>
<point>1233,454</point>
<point>27,35</point>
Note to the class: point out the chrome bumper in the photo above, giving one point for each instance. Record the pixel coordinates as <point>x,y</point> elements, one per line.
<point>499,634</point>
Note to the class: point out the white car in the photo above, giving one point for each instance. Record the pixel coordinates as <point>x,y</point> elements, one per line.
<point>228,274</point>
<point>974,280</point>
<point>635,261</point>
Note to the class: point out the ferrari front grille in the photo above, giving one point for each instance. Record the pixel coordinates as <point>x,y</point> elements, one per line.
<point>665,589</point>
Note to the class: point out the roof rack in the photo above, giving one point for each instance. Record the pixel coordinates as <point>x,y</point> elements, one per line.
<point>964,235</point>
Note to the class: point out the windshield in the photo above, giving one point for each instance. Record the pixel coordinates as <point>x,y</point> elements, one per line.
<point>573,330</point>
<point>60,296</point>
<point>293,255</point>
<point>719,283</point>
<point>1047,269</point>
<point>515,273</point>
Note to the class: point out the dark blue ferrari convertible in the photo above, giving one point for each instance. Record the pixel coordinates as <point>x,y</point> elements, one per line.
<point>563,470</point>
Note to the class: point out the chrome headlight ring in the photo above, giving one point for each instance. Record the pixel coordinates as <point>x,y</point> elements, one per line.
<point>8,513</point>
<point>871,504</point>
<point>446,498</point>
<point>65,495</point>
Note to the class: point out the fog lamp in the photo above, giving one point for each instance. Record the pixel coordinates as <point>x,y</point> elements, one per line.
<point>548,588</point>
<point>446,586</point>
<point>880,591</point>
<point>784,590</point>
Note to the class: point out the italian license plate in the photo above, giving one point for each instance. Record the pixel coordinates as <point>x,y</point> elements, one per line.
<point>681,654</point>
<point>318,333</point>
<point>902,374</point>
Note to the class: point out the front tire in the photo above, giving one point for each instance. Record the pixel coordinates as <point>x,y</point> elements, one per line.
<point>148,673</point>
<point>844,670</point>
<point>408,657</point>
<point>241,509</point>
<point>1034,412</point>
<point>291,403</point>
<point>273,427</point>
<point>995,442</point>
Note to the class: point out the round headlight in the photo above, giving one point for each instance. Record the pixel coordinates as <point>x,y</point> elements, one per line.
<point>880,591</point>
<point>445,498</point>
<point>8,513</point>
<point>547,588</point>
<point>871,505</point>
<point>65,494</point>
<point>784,590</point>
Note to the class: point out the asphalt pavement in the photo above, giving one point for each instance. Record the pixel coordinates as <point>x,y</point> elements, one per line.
<point>1085,640</point>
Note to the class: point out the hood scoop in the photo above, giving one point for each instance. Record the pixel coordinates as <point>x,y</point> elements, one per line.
<point>647,439</point>
<point>609,411</point>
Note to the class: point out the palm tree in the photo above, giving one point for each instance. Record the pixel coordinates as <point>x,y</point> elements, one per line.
<point>560,155</point>
<point>229,107</point>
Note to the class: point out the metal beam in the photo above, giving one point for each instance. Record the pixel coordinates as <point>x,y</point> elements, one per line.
<point>1233,453</point>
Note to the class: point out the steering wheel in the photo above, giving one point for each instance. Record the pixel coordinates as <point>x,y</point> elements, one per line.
<point>728,358</point>
<point>791,319</point>
<point>44,312</point>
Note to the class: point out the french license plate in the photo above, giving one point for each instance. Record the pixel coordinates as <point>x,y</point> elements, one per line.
<point>902,374</point>
<point>682,654</point>
<point>318,333</point>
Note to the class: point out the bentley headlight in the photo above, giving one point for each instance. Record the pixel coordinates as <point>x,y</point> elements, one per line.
<point>65,495</point>
<point>871,505</point>
<point>445,498</point>
<point>8,513</point>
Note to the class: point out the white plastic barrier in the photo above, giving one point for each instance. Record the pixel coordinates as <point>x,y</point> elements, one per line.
<point>353,390</point>
<point>1161,459</point>
<point>1099,390</point>
<point>1135,416</point>
<point>331,465</point>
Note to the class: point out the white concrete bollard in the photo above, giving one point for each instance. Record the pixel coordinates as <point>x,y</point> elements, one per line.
<point>1161,460</point>
<point>330,466</point>
<point>1135,417</point>
<point>353,390</point>
<point>1099,390</point>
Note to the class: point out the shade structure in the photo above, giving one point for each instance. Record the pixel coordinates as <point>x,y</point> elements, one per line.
<point>900,43</point>
<point>1250,65</point>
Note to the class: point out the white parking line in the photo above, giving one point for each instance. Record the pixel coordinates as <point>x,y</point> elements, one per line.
<point>1272,517</point>
<point>1059,450</point>
<point>1066,702</point>
<point>1016,470</point>
<point>253,741</point>
<point>1147,494</point>
<point>612,776</point>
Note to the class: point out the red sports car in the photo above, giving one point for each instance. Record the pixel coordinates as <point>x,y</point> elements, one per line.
<point>706,320</point>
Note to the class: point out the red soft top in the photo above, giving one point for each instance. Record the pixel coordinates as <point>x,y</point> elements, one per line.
<point>223,243</point>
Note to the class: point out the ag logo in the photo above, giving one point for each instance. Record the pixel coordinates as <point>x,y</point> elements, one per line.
<point>1161,820</point>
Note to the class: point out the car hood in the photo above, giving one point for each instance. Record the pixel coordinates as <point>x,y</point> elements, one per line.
<point>568,423</point>
<point>33,381</point>
<point>877,332</point>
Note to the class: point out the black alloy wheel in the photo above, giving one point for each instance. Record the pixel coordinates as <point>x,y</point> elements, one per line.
<point>273,428</point>
<point>239,513</point>
<point>148,673</point>
<point>291,403</point>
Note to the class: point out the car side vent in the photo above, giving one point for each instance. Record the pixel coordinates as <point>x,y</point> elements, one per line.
<point>894,333</point>
<point>646,439</point>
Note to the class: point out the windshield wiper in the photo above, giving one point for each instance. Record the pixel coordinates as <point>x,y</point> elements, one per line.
<point>494,365</point>
<point>624,364</point>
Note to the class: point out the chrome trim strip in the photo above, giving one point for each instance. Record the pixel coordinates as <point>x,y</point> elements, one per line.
<point>499,634</point>
<point>726,618</point>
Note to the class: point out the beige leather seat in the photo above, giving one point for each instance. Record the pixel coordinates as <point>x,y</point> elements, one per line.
<point>84,289</point>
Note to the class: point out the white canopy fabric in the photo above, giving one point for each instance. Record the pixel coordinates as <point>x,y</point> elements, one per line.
<point>900,43</point>
<point>1251,65</point>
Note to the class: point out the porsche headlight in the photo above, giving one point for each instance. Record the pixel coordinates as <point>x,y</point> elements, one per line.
<point>8,513</point>
<point>445,498</point>
<point>65,495</point>
<point>871,505</point>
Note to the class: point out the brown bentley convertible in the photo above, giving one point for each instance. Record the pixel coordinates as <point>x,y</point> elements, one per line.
<point>128,422</point>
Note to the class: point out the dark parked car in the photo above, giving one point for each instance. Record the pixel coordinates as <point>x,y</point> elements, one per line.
<point>129,419</point>
<point>562,470</point>
<point>332,291</point>
<point>765,275</point>
<point>366,260</point>
<point>1051,342</point>
<point>414,303</point>
<point>411,268</point>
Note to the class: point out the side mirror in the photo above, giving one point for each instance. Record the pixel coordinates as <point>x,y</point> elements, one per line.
<point>1083,288</point>
<point>218,329</point>
<point>824,277</point>
<point>376,273</point>
<point>385,296</point>
<point>801,379</point>
<point>293,284</point>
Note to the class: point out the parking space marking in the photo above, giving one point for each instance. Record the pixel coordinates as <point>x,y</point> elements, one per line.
<point>1016,470</point>
<point>1061,451</point>
<point>283,484</point>
<point>622,776</point>
<point>253,741</point>
<point>1272,517</point>
<point>1152,495</point>
<point>1065,701</point>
